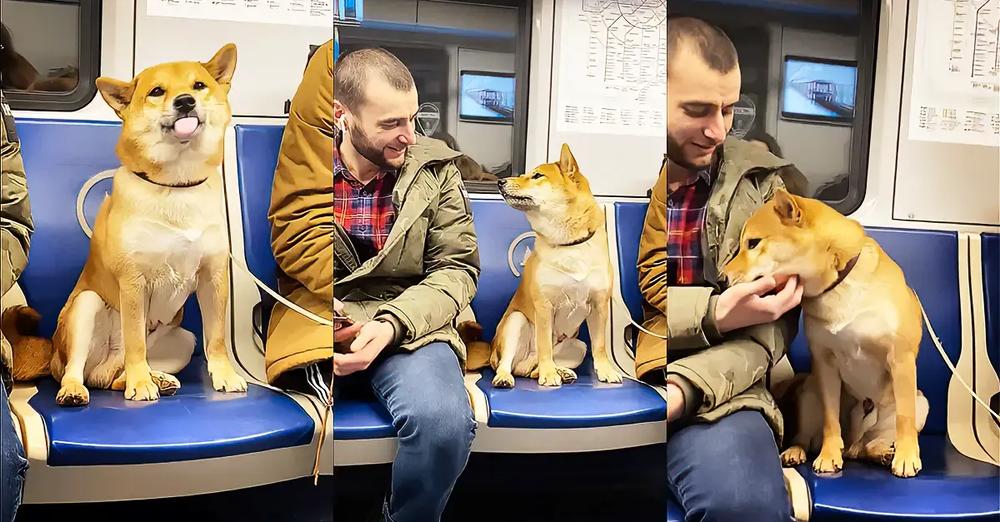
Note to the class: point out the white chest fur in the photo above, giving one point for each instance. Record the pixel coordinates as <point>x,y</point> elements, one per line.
<point>569,277</point>
<point>169,234</point>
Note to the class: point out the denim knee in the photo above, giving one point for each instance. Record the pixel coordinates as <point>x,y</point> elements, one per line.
<point>444,425</point>
<point>758,503</point>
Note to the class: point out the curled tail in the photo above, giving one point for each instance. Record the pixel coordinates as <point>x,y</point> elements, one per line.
<point>32,354</point>
<point>477,350</point>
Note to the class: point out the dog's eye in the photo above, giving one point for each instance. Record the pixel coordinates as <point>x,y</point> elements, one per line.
<point>537,176</point>
<point>752,243</point>
<point>198,86</point>
<point>157,91</point>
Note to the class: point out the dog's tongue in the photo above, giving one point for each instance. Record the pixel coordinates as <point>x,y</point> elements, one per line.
<point>185,127</point>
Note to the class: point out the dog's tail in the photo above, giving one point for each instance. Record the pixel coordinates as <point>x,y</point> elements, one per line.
<point>32,354</point>
<point>477,350</point>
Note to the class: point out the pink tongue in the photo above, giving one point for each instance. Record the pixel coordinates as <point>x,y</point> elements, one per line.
<point>185,127</point>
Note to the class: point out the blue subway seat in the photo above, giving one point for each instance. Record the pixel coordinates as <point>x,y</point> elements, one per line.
<point>197,423</point>
<point>991,282</point>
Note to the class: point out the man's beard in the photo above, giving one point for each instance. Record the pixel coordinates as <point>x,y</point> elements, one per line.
<point>675,152</point>
<point>367,149</point>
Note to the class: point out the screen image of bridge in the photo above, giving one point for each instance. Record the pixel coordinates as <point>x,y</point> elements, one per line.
<point>819,89</point>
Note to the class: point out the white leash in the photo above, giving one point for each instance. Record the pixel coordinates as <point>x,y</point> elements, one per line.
<point>321,320</point>
<point>947,361</point>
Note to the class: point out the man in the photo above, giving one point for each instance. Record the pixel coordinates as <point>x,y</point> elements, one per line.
<point>15,233</point>
<point>722,456</point>
<point>399,240</point>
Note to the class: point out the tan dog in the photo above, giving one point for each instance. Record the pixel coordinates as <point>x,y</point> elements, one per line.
<point>567,279</point>
<point>863,324</point>
<point>160,236</point>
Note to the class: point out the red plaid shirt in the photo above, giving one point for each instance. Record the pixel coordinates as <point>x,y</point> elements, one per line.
<point>364,211</point>
<point>685,218</point>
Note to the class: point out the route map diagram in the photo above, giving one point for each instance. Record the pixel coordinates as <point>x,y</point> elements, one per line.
<point>612,74</point>
<point>955,96</point>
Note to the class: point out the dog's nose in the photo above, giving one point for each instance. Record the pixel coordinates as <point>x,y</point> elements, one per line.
<point>184,103</point>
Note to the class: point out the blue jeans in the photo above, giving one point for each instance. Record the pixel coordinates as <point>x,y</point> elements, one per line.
<point>13,465</point>
<point>728,471</point>
<point>424,391</point>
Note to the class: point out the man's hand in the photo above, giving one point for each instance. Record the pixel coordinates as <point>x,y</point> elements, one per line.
<point>745,304</point>
<point>675,401</point>
<point>343,333</point>
<point>373,337</point>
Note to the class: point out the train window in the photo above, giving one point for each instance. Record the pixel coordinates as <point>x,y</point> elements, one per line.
<point>50,53</point>
<point>808,76</point>
<point>470,63</point>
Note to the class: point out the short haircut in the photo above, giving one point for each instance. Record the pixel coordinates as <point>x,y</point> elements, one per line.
<point>353,69</point>
<point>708,41</point>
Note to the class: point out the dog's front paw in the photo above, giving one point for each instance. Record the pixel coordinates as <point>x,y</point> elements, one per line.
<point>549,377</point>
<point>906,462</point>
<point>73,394</point>
<point>566,374</point>
<point>141,388</point>
<point>503,380</point>
<point>166,383</point>
<point>829,461</point>
<point>225,379</point>
<point>607,373</point>
<point>793,456</point>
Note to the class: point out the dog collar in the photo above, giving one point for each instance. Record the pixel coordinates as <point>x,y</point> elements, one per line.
<point>583,239</point>
<point>144,177</point>
<point>842,274</point>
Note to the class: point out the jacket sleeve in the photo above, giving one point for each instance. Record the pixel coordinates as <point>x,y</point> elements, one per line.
<point>301,212</point>
<point>451,264</point>
<point>734,362</point>
<point>16,225</point>
<point>652,263</point>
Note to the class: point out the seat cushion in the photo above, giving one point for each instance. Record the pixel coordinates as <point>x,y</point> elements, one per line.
<point>950,486</point>
<point>196,423</point>
<point>991,282</point>
<point>357,413</point>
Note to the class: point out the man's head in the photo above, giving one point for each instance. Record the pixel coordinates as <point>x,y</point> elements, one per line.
<point>703,84</point>
<point>374,103</point>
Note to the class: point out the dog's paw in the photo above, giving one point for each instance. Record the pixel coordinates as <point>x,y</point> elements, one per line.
<point>567,375</point>
<point>549,377</point>
<point>503,380</point>
<point>225,379</point>
<point>166,383</point>
<point>829,462</point>
<point>793,456</point>
<point>854,452</point>
<point>73,394</point>
<point>607,373</point>
<point>906,462</point>
<point>141,389</point>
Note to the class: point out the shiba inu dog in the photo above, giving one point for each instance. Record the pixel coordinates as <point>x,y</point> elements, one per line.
<point>160,236</point>
<point>567,279</point>
<point>863,324</point>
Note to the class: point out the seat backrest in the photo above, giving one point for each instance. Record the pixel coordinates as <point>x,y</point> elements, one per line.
<point>59,158</point>
<point>629,219</point>
<point>991,283</point>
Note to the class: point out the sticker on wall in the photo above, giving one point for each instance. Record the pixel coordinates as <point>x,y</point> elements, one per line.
<point>428,118</point>
<point>744,114</point>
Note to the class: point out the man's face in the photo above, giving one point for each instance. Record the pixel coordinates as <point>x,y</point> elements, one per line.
<point>699,108</point>
<point>381,128</point>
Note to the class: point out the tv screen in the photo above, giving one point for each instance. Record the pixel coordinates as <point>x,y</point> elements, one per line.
<point>816,89</point>
<point>486,97</point>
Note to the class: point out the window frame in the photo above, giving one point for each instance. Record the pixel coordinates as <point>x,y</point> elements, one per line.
<point>356,30</point>
<point>89,67</point>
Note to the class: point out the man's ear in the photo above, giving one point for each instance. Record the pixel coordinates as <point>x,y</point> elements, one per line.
<point>116,93</point>
<point>787,208</point>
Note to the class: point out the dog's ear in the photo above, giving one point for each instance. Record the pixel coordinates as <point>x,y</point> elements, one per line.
<point>117,93</point>
<point>787,208</point>
<point>222,66</point>
<point>567,163</point>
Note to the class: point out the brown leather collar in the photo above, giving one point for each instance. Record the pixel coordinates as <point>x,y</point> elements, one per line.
<point>144,177</point>
<point>575,242</point>
<point>842,274</point>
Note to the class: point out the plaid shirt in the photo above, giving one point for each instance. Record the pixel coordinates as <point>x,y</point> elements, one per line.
<point>685,219</point>
<point>365,211</point>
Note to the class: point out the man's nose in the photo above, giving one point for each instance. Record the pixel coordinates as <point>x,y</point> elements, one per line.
<point>184,103</point>
<point>716,129</point>
<point>409,135</point>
